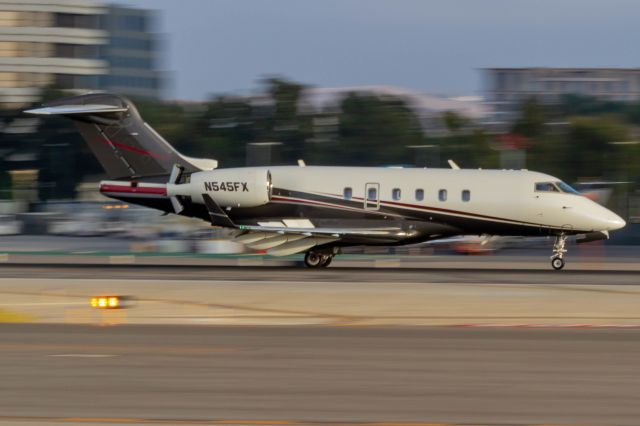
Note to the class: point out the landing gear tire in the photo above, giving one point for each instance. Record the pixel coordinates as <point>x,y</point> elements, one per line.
<point>317,260</point>
<point>557,263</point>
<point>326,261</point>
<point>313,259</point>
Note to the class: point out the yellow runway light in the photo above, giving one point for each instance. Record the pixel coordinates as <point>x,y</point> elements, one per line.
<point>106,302</point>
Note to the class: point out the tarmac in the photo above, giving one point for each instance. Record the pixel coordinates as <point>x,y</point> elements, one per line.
<point>85,375</point>
<point>198,342</point>
<point>336,296</point>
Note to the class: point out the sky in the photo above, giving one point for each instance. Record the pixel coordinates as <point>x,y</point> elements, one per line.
<point>435,46</point>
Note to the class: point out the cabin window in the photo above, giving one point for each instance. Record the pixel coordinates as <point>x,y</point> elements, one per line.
<point>395,193</point>
<point>546,187</point>
<point>372,194</point>
<point>442,195</point>
<point>348,193</point>
<point>419,194</point>
<point>466,195</point>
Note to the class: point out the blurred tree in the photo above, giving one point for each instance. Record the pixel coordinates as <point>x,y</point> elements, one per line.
<point>590,149</point>
<point>171,120</point>
<point>63,159</point>
<point>287,124</point>
<point>375,131</point>
<point>573,104</point>
<point>225,127</point>
<point>8,144</point>
<point>471,149</point>
<point>531,120</point>
<point>454,121</point>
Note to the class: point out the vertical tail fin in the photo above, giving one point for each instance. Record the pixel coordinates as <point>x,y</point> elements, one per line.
<point>125,146</point>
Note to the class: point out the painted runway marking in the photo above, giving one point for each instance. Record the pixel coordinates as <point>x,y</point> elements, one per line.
<point>83,355</point>
<point>542,325</point>
<point>2,305</point>
<point>239,422</point>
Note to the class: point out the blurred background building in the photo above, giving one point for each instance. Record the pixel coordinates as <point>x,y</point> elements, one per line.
<point>46,43</point>
<point>505,89</point>
<point>132,53</point>
<point>428,108</point>
<point>75,44</point>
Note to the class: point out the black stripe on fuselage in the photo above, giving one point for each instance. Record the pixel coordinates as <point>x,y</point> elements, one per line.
<point>331,211</point>
<point>467,222</point>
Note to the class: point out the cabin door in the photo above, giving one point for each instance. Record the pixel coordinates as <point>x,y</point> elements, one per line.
<point>372,196</point>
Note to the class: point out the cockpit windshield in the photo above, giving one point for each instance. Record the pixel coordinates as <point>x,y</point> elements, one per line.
<point>555,187</point>
<point>565,187</point>
<point>546,187</point>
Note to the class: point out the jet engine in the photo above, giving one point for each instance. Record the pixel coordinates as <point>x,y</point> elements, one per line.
<point>227,187</point>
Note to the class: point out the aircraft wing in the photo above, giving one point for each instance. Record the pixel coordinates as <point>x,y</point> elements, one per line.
<point>283,241</point>
<point>279,239</point>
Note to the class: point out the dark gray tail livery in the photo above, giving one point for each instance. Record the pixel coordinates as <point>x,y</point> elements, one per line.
<point>125,146</point>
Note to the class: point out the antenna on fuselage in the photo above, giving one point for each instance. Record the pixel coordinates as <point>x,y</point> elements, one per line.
<point>453,164</point>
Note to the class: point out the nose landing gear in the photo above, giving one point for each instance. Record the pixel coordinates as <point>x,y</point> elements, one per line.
<point>557,261</point>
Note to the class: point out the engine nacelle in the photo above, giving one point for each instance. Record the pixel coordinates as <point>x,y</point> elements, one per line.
<point>227,187</point>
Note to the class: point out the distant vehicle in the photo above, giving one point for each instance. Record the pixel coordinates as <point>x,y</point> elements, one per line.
<point>317,210</point>
<point>9,225</point>
<point>84,224</point>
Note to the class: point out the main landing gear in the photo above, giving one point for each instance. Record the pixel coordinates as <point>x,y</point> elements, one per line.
<point>557,261</point>
<point>315,259</point>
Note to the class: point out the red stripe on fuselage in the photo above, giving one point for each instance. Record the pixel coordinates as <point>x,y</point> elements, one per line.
<point>133,189</point>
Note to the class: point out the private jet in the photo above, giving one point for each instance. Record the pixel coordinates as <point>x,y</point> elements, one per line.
<point>317,210</point>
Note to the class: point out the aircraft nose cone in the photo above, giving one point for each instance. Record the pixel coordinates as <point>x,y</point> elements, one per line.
<point>614,222</point>
<point>603,219</point>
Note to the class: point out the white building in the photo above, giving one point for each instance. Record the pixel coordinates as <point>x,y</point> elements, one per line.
<point>506,88</point>
<point>74,44</point>
<point>48,42</point>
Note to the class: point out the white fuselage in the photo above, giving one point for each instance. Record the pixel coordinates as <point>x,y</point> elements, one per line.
<point>507,197</point>
<point>316,210</point>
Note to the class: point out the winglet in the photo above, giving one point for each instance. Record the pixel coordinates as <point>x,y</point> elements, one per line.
<point>217,215</point>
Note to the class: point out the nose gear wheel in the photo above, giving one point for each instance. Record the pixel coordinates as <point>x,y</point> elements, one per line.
<point>557,261</point>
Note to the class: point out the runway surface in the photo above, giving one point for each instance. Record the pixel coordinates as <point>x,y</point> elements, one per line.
<point>317,375</point>
<point>294,273</point>
<point>337,297</point>
<point>257,345</point>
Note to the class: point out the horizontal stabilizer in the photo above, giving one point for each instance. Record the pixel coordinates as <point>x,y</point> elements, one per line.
<point>76,109</point>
